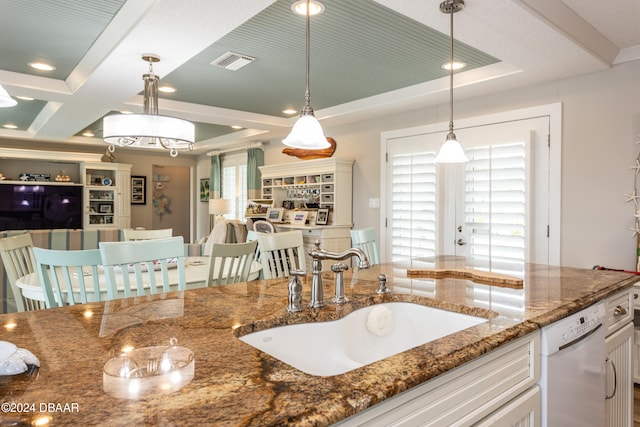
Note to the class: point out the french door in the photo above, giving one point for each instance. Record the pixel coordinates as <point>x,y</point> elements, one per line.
<point>493,209</point>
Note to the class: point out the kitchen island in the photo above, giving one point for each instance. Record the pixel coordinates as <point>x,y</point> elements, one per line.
<point>237,385</point>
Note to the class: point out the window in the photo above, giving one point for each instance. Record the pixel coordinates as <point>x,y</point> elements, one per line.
<point>234,183</point>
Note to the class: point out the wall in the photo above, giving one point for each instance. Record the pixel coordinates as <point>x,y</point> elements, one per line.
<point>143,163</point>
<point>177,180</point>
<point>601,123</point>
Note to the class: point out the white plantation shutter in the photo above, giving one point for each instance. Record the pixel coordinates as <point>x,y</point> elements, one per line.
<point>413,204</point>
<point>234,184</point>
<point>496,201</point>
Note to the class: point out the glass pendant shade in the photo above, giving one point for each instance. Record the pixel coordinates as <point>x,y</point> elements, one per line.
<point>5,99</point>
<point>150,130</point>
<point>451,151</point>
<point>307,133</point>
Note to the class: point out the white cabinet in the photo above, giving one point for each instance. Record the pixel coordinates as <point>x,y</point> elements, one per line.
<point>495,389</point>
<point>323,182</point>
<point>619,359</point>
<point>107,195</point>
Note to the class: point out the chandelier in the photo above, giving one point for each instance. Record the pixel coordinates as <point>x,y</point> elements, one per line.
<point>149,129</point>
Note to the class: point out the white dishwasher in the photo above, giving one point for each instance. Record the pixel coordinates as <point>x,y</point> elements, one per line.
<point>572,377</point>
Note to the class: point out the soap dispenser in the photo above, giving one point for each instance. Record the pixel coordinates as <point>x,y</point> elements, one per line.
<point>295,291</point>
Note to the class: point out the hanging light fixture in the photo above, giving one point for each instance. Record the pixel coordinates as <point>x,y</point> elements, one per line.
<point>451,151</point>
<point>149,129</point>
<point>5,99</point>
<point>307,132</point>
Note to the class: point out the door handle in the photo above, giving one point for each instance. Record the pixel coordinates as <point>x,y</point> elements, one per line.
<point>460,242</point>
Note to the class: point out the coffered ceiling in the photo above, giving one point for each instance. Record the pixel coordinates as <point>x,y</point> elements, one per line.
<point>368,58</point>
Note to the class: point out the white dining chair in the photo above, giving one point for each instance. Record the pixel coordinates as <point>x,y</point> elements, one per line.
<point>17,258</point>
<point>68,277</point>
<point>280,253</point>
<point>132,234</point>
<point>142,267</point>
<point>230,262</point>
<point>263,226</point>
<point>366,239</point>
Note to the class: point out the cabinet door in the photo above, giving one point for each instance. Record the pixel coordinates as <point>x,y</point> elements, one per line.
<point>619,381</point>
<point>524,410</point>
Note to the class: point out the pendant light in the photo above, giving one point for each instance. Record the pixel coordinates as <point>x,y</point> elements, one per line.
<point>149,129</point>
<point>451,151</point>
<point>5,99</point>
<point>307,132</point>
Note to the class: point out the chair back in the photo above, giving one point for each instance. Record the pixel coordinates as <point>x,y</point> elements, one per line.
<point>68,277</point>
<point>142,267</point>
<point>131,234</point>
<point>280,253</point>
<point>366,239</point>
<point>17,258</point>
<point>262,226</point>
<point>230,262</point>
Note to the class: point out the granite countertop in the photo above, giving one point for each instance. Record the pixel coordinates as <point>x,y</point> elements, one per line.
<point>237,385</point>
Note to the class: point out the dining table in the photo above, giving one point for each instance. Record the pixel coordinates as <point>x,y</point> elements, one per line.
<point>196,270</point>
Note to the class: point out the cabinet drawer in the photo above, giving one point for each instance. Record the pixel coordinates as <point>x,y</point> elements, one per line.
<point>267,190</point>
<point>327,198</point>
<point>619,310</point>
<point>327,177</point>
<point>327,188</point>
<point>267,182</point>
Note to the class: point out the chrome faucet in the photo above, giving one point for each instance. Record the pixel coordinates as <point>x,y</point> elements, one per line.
<point>318,255</point>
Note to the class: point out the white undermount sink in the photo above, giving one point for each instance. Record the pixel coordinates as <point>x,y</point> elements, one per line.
<point>360,338</point>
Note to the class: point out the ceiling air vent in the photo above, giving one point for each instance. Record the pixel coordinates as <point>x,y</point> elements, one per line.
<point>233,61</point>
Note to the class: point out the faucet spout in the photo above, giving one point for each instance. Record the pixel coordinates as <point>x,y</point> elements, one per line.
<point>318,255</point>
<point>323,254</point>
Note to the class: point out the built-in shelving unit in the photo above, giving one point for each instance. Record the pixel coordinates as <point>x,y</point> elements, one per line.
<point>107,195</point>
<point>325,183</point>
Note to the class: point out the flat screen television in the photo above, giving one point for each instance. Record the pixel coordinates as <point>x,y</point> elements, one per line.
<point>36,206</point>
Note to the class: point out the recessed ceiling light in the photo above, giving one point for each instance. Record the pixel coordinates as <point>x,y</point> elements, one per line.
<point>10,126</point>
<point>87,133</point>
<point>41,66</point>
<point>289,111</point>
<point>456,65</point>
<point>167,89</point>
<point>236,127</point>
<point>25,98</point>
<point>300,7</point>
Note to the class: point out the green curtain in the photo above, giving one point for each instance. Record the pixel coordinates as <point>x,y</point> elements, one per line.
<point>215,178</point>
<point>255,159</point>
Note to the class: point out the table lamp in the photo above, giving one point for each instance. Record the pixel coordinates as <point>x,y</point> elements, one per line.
<point>218,207</point>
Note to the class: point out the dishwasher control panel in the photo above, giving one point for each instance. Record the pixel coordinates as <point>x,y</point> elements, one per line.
<point>570,329</point>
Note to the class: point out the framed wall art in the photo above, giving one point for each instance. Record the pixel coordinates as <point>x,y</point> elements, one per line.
<point>138,190</point>
<point>204,190</point>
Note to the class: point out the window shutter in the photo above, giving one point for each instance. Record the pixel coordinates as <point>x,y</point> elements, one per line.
<point>413,205</point>
<point>495,206</point>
